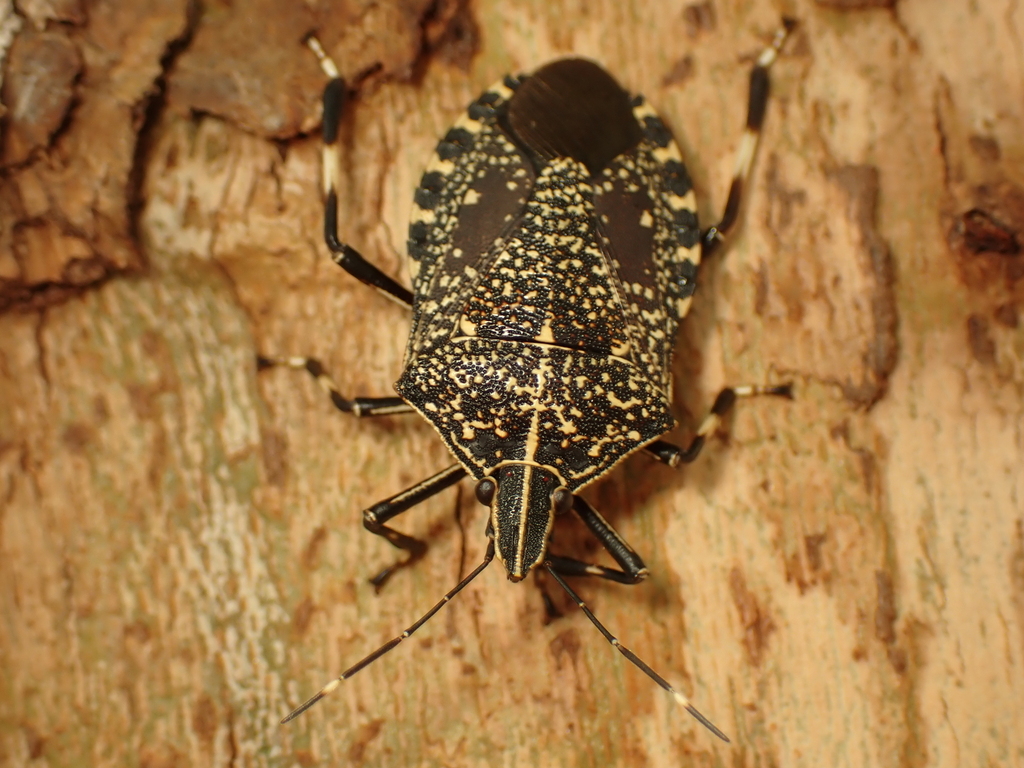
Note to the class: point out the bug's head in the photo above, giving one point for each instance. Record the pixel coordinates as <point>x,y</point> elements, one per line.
<point>523,499</point>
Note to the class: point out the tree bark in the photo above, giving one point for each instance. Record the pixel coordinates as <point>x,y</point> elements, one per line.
<point>838,580</point>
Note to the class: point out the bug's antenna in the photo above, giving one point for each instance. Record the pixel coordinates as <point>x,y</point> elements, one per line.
<point>365,662</point>
<point>634,658</point>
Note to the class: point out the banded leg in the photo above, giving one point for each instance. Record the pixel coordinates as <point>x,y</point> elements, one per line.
<point>756,104</point>
<point>673,455</point>
<point>343,254</point>
<point>633,569</point>
<point>359,406</point>
<point>375,517</point>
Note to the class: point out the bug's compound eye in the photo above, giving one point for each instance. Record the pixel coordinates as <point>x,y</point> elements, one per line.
<point>561,497</point>
<point>485,491</point>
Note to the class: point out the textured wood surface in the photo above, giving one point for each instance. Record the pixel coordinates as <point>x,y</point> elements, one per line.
<point>839,581</point>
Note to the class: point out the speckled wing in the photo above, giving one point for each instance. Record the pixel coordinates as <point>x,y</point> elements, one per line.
<point>555,248</point>
<point>472,194</point>
<point>645,209</point>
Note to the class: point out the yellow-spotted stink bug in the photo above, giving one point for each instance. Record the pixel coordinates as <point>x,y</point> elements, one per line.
<point>553,249</point>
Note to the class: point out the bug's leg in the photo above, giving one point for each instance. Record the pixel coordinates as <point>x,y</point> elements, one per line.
<point>344,255</point>
<point>375,517</point>
<point>756,104</point>
<point>633,569</point>
<point>358,406</point>
<point>673,455</point>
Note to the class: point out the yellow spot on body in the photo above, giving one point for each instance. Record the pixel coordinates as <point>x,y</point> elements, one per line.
<point>644,110</point>
<point>686,202</point>
<point>444,167</point>
<point>693,254</point>
<point>664,154</point>
<point>624,405</point>
<point>422,214</point>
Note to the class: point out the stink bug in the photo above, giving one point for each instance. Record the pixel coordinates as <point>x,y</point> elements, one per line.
<point>554,248</point>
